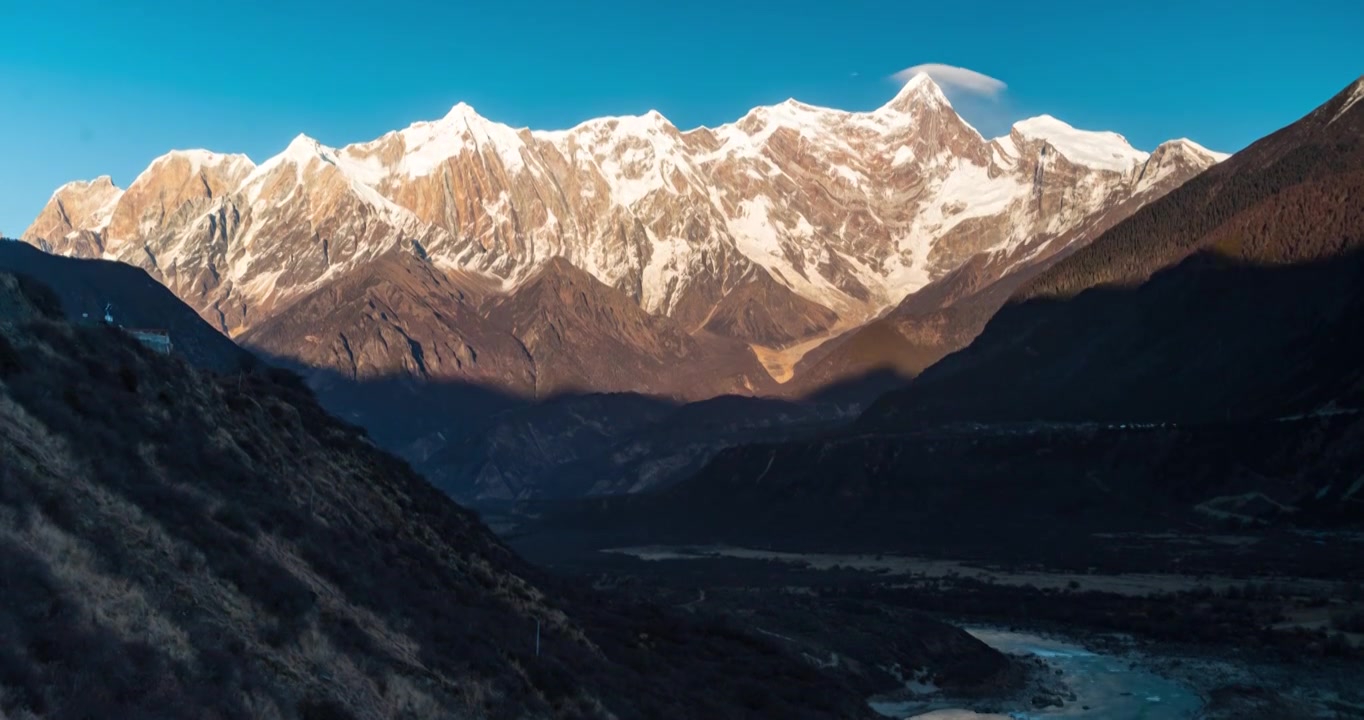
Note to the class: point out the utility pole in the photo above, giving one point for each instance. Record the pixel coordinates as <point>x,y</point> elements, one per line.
<point>537,637</point>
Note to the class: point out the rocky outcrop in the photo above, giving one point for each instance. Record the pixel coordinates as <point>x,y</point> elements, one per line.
<point>76,215</point>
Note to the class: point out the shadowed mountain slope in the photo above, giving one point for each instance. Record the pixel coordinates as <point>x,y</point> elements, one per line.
<point>1237,295</point>
<point>1200,363</point>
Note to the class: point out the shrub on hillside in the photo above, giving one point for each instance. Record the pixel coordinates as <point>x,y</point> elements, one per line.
<point>42,297</point>
<point>10,362</point>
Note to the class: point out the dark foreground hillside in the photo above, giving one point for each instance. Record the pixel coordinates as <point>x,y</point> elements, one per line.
<point>176,544</point>
<point>87,287</point>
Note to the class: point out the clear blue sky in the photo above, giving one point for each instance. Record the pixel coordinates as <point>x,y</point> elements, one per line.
<point>91,87</point>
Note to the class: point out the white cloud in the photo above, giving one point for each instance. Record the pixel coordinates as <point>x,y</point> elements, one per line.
<point>951,78</point>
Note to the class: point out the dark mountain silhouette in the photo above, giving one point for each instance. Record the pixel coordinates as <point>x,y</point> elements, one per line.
<point>484,447</point>
<point>578,445</point>
<point>1211,339</point>
<point>1008,492</point>
<point>175,543</point>
<point>85,287</point>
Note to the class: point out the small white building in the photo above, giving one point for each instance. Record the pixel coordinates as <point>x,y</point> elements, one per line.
<point>158,340</point>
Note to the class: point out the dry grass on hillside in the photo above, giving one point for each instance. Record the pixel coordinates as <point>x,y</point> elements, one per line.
<point>178,544</point>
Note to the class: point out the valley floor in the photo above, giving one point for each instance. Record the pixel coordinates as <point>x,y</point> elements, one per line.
<point>1256,640</point>
<point>1068,680</point>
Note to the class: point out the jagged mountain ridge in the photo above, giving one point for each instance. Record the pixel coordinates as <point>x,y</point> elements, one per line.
<point>1235,296</point>
<point>1198,364</point>
<point>948,313</point>
<point>772,229</point>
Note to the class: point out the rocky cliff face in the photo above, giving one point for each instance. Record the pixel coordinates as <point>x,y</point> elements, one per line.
<point>78,213</point>
<point>948,313</point>
<point>769,231</point>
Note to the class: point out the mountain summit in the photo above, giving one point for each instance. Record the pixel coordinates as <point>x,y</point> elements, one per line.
<point>920,90</point>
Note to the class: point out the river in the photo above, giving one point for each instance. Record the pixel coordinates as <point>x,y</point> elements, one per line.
<point>1105,686</point>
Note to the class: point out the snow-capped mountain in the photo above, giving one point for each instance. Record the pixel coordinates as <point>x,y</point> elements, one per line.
<point>772,230</point>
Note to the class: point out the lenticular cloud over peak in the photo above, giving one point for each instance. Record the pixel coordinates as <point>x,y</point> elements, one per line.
<point>951,77</point>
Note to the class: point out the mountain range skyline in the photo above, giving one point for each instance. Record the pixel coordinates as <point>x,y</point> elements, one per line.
<point>117,91</point>
<point>427,144</point>
<point>785,225</point>
<point>949,80</point>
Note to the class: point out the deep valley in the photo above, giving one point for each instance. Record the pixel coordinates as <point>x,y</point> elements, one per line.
<point>812,414</point>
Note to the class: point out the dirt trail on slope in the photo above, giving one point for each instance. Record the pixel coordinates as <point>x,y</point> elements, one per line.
<point>780,363</point>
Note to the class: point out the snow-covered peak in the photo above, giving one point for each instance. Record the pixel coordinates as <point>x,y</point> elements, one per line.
<point>1101,150</point>
<point>652,121</point>
<point>103,182</point>
<point>427,145</point>
<point>1353,94</point>
<point>797,105</point>
<point>198,160</point>
<point>920,91</point>
<point>464,118</point>
<point>1194,147</point>
<point>920,82</point>
<point>789,111</point>
<point>75,206</point>
<point>310,160</point>
<point>301,151</point>
<point>462,112</point>
<point>99,196</point>
<point>760,123</point>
